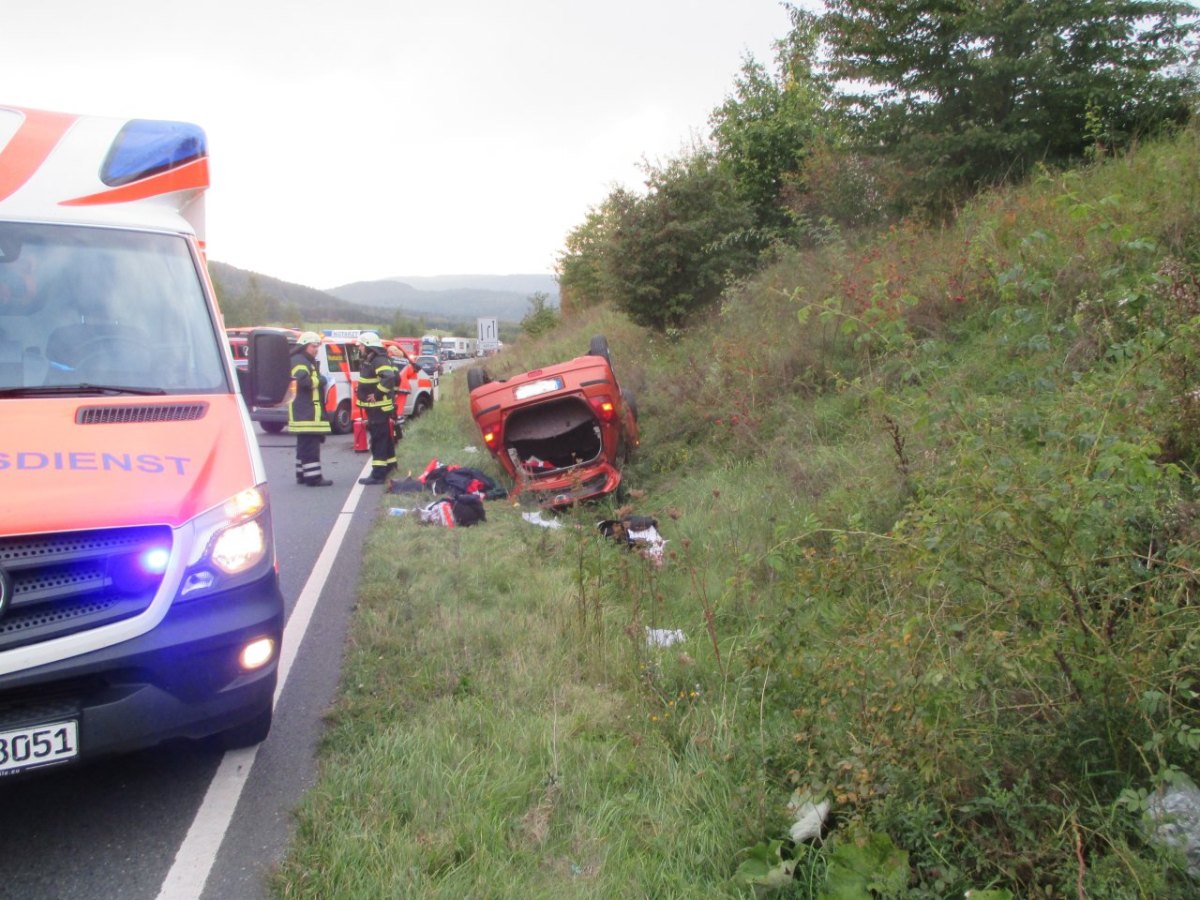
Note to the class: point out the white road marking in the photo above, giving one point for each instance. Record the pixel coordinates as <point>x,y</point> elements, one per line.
<point>198,852</point>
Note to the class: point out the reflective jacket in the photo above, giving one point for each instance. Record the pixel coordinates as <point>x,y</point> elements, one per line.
<point>377,384</point>
<point>306,414</point>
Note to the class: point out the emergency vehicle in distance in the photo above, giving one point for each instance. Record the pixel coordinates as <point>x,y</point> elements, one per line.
<point>139,598</point>
<point>338,360</point>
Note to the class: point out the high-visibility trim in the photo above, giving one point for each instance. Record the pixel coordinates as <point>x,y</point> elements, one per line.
<point>317,424</point>
<point>38,135</point>
<point>191,176</point>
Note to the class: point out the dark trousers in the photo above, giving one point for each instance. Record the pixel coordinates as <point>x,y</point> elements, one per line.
<point>383,445</point>
<point>308,457</point>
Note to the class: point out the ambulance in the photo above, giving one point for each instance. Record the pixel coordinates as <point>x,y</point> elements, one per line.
<point>337,361</point>
<point>139,592</point>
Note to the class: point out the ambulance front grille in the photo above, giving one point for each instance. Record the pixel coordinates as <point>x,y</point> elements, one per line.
<point>61,584</point>
<point>140,412</point>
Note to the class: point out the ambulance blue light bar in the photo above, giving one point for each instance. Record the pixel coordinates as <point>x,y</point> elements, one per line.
<point>149,146</point>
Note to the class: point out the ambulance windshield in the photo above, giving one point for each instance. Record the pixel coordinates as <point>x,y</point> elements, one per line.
<point>103,306</point>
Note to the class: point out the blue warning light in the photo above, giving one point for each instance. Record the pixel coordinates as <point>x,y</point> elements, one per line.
<point>154,561</point>
<point>149,146</point>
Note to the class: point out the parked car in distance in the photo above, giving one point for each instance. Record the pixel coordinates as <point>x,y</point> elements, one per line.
<point>431,364</point>
<point>561,432</point>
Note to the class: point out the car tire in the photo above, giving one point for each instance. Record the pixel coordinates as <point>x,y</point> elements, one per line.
<point>246,735</point>
<point>422,406</point>
<point>273,427</point>
<point>340,423</point>
<point>598,346</point>
<point>476,378</point>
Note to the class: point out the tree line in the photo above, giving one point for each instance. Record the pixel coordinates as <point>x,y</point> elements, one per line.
<point>877,112</point>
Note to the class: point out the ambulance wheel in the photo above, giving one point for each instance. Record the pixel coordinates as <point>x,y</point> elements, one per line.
<point>476,378</point>
<point>598,346</point>
<point>631,402</point>
<point>422,406</point>
<point>340,423</point>
<point>247,735</point>
<point>273,427</point>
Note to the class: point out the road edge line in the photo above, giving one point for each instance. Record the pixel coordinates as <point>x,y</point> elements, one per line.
<point>194,860</point>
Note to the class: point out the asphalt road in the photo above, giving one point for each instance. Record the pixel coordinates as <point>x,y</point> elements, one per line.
<point>112,828</point>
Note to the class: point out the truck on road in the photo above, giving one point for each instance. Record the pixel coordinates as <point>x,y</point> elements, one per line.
<point>457,348</point>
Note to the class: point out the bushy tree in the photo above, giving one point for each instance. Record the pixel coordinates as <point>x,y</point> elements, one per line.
<point>405,324</point>
<point>541,316</point>
<point>583,276</point>
<point>672,251</point>
<point>661,256</point>
<point>766,127</point>
<point>967,92</point>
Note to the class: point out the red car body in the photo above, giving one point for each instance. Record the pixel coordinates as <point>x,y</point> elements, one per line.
<point>562,431</point>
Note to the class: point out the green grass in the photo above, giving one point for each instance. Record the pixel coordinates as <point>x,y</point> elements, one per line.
<point>932,545</point>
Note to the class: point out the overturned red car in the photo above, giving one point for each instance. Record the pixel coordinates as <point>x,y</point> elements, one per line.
<point>561,431</point>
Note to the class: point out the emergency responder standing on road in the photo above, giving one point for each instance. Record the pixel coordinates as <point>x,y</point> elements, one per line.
<point>376,394</point>
<point>306,414</point>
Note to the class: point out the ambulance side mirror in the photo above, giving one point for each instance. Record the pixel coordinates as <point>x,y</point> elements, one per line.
<point>268,371</point>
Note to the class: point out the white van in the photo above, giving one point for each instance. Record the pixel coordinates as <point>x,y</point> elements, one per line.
<point>139,598</point>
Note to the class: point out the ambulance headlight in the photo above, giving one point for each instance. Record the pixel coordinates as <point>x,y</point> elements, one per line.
<point>233,545</point>
<point>240,547</point>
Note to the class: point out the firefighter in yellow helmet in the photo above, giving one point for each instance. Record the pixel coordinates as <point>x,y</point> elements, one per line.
<point>377,379</point>
<point>306,414</point>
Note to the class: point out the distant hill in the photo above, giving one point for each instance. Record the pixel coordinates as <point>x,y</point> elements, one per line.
<point>240,287</point>
<point>506,297</point>
<point>442,302</point>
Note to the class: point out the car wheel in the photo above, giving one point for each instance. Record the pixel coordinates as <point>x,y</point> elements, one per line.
<point>631,402</point>
<point>273,427</point>
<point>598,346</point>
<point>476,378</point>
<point>340,423</point>
<point>247,735</point>
<point>423,405</point>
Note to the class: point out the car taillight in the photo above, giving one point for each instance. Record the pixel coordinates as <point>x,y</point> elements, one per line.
<point>491,436</point>
<point>605,409</point>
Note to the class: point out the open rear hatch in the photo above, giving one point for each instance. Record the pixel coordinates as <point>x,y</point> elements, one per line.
<point>548,437</point>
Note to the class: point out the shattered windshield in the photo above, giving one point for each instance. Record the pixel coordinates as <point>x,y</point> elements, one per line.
<point>103,307</point>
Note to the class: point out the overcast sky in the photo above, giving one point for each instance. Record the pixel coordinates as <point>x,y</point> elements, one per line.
<point>360,139</point>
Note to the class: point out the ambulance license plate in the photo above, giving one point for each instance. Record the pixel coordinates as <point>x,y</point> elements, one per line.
<point>38,745</point>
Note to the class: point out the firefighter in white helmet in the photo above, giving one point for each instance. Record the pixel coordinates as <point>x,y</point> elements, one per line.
<point>306,414</point>
<point>376,394</point>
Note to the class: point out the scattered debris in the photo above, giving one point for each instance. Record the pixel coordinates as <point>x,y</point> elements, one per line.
<point>664,637</point>
<point>462,511</point>
<point>639,533</point>
<point>535,518</point>
<point>1174,815</point>
<point>808,816</point>
<point>449,479</point>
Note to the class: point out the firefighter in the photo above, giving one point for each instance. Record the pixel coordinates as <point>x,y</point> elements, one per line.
<point>377,379</point>
<point>306,414</point>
